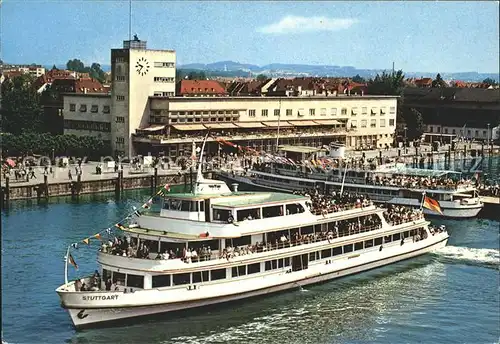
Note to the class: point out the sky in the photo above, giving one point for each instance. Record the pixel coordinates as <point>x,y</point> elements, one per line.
<point>427,36</point>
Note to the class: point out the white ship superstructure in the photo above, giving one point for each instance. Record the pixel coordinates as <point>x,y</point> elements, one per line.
<point>388,184</point>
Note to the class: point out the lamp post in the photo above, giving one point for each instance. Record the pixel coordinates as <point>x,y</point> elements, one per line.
<point>488,135</point>
<point>406,128</point>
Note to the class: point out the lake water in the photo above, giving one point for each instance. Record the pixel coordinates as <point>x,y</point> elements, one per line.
<point>451,296</point>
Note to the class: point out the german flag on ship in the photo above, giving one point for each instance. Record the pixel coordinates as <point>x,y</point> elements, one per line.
<point>432,204</point>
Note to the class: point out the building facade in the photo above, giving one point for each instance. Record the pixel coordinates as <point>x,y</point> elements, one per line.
<point>88,114</point>
<point>137,73</point>
<point>360,122</point>
<point>469,113</point>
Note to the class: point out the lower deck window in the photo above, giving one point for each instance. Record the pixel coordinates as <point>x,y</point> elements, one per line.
<point>237,271</point>
<point>161,281</point>
<point>217,274</point>
<point>326,253</point>
<point>368,243</point>
<point>406,234</point>
<point>378,241</point>
<point>337,251</point>
<point>347,248</point>
<point>358,246</point>
<point>387,239</point>
<point>255,268</point>
<point>396,236</point>
<point>118,278</point>
<point>200,276</point>
<point>135,281</point>
<point>179,279</point>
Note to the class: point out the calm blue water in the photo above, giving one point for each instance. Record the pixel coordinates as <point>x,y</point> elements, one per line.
<point>448,297</point>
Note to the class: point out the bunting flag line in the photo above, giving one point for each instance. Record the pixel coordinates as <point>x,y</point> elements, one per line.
<point>86,241</point>
<point>98,236</point>
<point>119,226</point>
<point>72,261</point>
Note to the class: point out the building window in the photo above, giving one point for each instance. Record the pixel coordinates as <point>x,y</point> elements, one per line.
<point>322,112</point>
<point>72,107</point>
<point>354,124</point>
<point>83,108</point>
<point>105,109</point>
<point>120,140</point>
<point>484,132</point>
<point>431,129</point>
<point>312,112</point>
<point>120,119</point>
<point>382,122</point>
<point>454,132</point>
<point>120,59</point>
<point>343,111</point>
<point>163,94</point>
<point>363,123</point>
<point>374,111</point>
<point>164,79</point>
<point>391,123</point>
<point>364,110</point>
<point>446,131</point>
<point>164,64</point>
<point>300,113</point>
<point>392,110</point>
<point>382,110</point>
<point>251,113</point>
<point>276,112</point>
<point>334,111</point>
<point>94,108</point>
<point>120,98</point>
<point>373,123</point>
<point>354,111</point>
<point>120,78</point>
<point>289,112</point>
<point>87,125</point>
<point>264,113</point>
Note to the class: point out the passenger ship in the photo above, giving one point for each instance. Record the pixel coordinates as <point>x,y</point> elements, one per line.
<point>456,201</point>
<point>247,244</point>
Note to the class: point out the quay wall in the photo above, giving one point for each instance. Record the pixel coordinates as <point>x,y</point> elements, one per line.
<point>80,187</point>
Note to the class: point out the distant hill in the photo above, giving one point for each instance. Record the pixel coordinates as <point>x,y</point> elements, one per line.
<point>236,69</point>
<point>282,70</point>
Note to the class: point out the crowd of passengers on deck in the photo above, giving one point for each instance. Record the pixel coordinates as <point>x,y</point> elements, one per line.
<point>416,182</point>
<point>397,214</point>
<point>322,204</point>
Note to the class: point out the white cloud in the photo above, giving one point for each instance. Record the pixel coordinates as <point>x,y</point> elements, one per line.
<point>296,24</point>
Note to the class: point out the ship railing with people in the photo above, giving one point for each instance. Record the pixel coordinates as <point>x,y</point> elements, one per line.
<point>284,239</point>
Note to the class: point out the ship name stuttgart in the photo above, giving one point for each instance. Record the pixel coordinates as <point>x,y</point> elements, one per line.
<point>100,297</point>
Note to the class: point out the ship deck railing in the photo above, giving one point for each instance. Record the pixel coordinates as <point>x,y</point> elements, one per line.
<point>269,246</point>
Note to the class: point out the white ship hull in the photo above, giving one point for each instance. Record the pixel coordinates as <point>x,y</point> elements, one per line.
<point>163,301</point>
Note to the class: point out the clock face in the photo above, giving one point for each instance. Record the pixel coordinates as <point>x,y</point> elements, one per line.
<point>142,66</point>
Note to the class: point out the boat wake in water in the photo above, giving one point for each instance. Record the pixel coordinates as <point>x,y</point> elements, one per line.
<point>474,256</point>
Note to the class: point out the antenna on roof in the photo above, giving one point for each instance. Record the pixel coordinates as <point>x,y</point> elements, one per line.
<point>130,20</point>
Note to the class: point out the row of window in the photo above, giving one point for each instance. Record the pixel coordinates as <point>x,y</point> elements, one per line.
<point>322,112</point>
<point>163,94</point>
<point>461,131</point>
<point>205,120</point>
<point>164,64</point>
<point>373,123</point>
<point>273,264</point>
<point>194,113</point>
<point>87,125</point>
<point>93,108</point>
<point>163,79</point>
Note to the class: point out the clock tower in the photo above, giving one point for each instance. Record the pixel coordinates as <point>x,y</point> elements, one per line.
<point>137,73</point>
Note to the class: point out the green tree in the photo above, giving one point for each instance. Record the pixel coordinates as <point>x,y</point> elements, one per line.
<point>490,81</point>
<point>54,67</point>
<point>21,110</point>
<point>76,65</point>
<point>387,84</point>
<point>359,79</point>
<point>95,71</point>
<point>261,77</point>
<point>414,123</point>
<point>439,82</point>
<point>200,75</point>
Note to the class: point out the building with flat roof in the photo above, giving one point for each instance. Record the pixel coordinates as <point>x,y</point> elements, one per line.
<point>143,114</point>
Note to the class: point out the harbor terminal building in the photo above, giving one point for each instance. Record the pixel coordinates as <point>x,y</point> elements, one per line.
<point>144,113</point>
